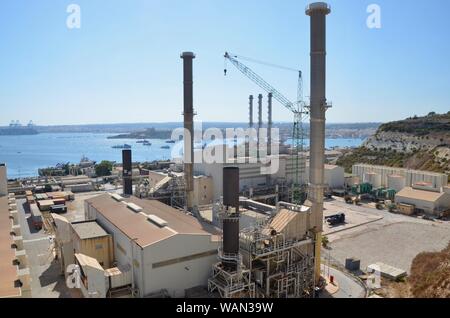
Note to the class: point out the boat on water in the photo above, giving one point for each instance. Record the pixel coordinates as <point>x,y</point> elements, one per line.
<point>165,147</point>
<point>143,141</point>
<point>124,146</point>
<point>86,162</point>
<point>146,143</point>
<point>170,141</point>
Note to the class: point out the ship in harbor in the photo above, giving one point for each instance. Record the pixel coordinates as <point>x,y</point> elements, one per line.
<point>124,146</point>
<point>15,128</point>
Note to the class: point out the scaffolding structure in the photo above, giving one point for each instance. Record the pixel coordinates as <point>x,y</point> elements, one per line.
<point>270,264</point>
<point>281,268</point>
<point>172,193</point>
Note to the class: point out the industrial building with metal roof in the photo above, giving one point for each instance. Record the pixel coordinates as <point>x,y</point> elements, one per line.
<point>168,250</point>
<point>431,202</point>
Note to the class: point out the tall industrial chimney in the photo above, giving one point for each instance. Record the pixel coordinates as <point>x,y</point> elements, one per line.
<point>230,226</point>
<point>260,120</point>
<point>318,12</point>
<point>269,122</point>
<point>250,111</point>
<point>127,172</point>
<point>188,126</point>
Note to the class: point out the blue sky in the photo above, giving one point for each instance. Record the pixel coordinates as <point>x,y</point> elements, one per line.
<point>123,64</point>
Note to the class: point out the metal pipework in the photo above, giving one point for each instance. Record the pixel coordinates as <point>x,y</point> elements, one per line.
<point>318,12</point>
<point>127,172</point>
<point>269,122</point>
<point>250,111</point>
<point>188,126</point>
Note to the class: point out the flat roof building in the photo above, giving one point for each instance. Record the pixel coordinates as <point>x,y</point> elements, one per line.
<point>430,202</point>
<point>167,249</point>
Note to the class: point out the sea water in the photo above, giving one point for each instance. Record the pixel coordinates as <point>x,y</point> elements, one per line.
<point>24,155</point>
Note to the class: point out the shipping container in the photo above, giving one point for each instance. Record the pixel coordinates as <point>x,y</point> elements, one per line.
<point>36,217</point>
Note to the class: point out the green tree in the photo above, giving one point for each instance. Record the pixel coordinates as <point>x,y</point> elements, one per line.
<point>104,168</point>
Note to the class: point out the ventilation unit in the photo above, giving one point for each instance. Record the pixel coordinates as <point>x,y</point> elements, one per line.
<point>134,207</point>
<point>117,197</point>
<point>157,220</point>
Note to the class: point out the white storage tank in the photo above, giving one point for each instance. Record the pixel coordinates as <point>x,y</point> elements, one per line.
<point>396,182</point>
<point>373,178</point>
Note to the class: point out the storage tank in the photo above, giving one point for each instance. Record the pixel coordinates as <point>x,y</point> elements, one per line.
<point>373,178</point>
<point>396,182</point>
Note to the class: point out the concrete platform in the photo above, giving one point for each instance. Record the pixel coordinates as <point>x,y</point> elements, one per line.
<point>387,271</point>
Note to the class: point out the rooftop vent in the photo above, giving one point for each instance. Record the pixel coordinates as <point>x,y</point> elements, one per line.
<point>117,197</point>
<point>157,220</point>
<point>134,207</point>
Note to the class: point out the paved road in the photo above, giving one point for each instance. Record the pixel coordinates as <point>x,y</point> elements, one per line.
<point>46,278</point>
<point>348,286</point>
<point>26,227</point>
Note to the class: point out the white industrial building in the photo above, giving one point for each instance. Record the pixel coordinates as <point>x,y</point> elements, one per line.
<point>251,175</point>
<point>430,202</point>
<point>169,251</point>
<point>396,178</point>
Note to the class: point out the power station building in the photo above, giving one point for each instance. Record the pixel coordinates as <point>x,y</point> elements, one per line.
<point>251,176</point>
<point>430,202</point>
<point>167,250</point>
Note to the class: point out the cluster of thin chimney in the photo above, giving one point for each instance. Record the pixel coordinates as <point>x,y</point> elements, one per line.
<point>260,115</point>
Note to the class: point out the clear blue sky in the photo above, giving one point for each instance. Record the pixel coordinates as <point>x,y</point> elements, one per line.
<point>123,64</point>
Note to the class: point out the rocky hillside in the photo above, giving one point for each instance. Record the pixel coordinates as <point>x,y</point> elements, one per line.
<point>412,134</point>
<point>421,143</point>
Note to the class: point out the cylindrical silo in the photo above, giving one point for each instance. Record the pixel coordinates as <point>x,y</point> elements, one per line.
<point>396,182</point>
<point>373,178</point>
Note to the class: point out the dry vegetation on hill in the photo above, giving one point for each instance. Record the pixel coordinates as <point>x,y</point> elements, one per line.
<point>429,278</point>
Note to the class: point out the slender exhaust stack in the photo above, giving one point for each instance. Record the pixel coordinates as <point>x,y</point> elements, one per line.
<point>250,111</point>
<point>127,172</point>
<point>230,226</point>
<point>269,122</point>
<point>260,120</point>
<point>188,126</point>
<point>318,12</point>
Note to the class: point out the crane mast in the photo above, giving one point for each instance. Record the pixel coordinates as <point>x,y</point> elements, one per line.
<point>298,110</point>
